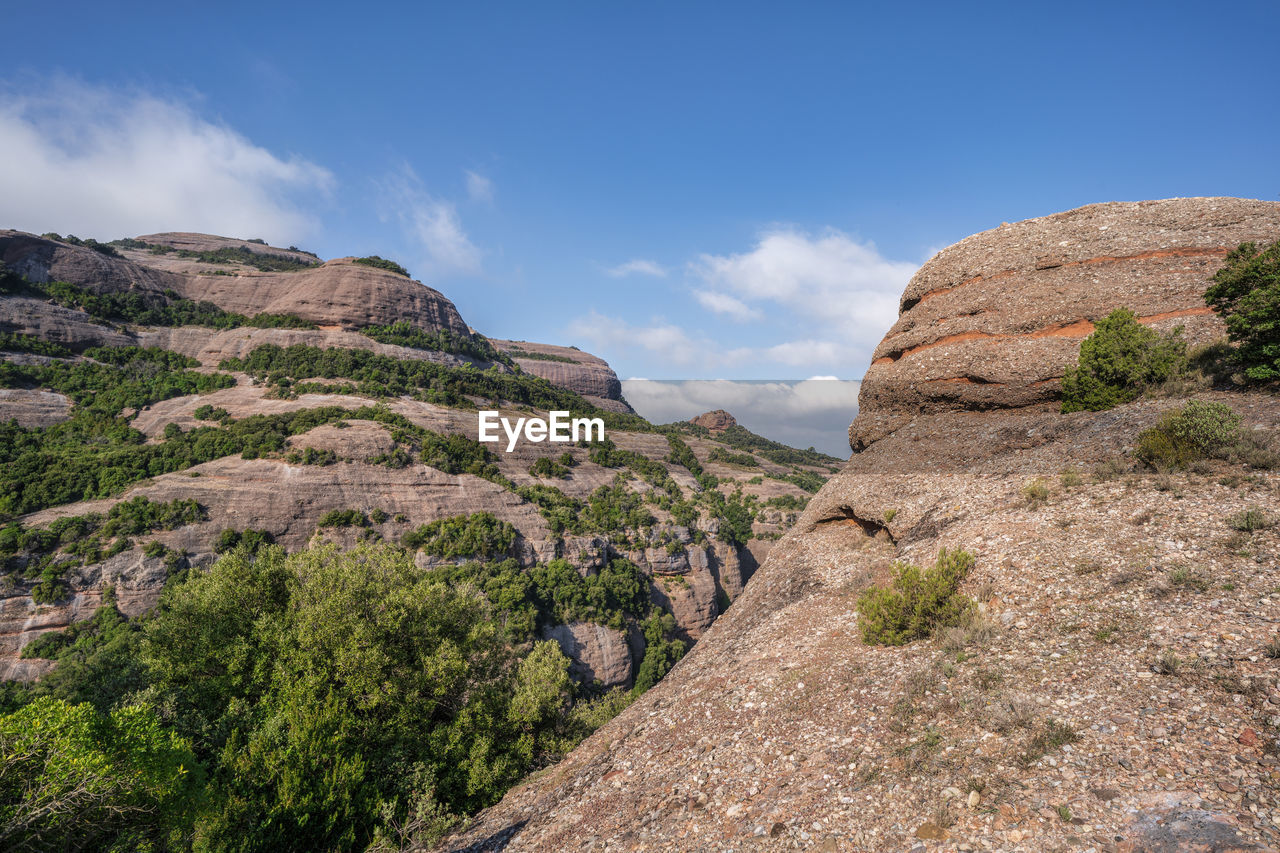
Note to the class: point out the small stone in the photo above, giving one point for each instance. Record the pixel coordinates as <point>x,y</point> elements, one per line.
<point>1228,787</point>
<point>950,793</point>
<point>974,799</point>
<point>1159,731</point>
<point>1248,737</point>
<point>930,831</point>
<point>776,830</point>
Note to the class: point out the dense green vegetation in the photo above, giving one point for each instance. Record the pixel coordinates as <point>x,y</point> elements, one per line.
<point>107,249</point>
<point>207,412</point>
<point>151,308</point>
<point>480,535</point>
<point>264,261</point>
<point>404,334</point>
<point>311,456</point>
<point>1246,294</point>
<point>48,552</point>
<point>383,264</point>
<point>383,376</point>
<point>741,438</point>
<point>16,342</point>
<point>76,778</point>
<point>744,460</point>
<point>320,700</point>
<point>1118,361</point>
<point>95,453</point>
<point>519,352</point>
<point>916,603</point>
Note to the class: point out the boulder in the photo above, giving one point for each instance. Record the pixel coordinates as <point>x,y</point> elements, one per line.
<point>994,321</point>
<point>716,421</point>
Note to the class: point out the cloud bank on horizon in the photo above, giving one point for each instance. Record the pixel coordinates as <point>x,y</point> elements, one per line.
<point>813,412</point>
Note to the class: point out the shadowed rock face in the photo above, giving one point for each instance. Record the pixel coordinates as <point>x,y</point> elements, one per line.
<point>995,320</point>
<point>598,653</point>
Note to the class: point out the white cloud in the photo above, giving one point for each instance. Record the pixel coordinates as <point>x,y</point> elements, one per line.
<point>432,223</point>
<point>669,343</point>
<point>479,188</point>
<point>836,283</point>
<point>813,412</point>
<point>637,266</point>
<point>81,159</point>
<point>723,303</point>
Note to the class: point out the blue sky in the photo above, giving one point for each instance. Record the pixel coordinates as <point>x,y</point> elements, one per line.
<point>690,190</point>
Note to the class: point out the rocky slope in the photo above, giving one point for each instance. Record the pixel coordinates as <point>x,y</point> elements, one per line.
<point>689,570</point>
<point>1121,691</point>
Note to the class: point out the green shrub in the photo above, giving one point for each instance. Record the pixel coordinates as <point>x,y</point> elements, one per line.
<point>1197,430</point>
<point>1036,493</point>
<point>742,460</point>
<point>343,518</point>
<point>1119,360</point>
<point>1246,294</point>
<point>917,603</point>
<point>383,264</point>
<point>480,535</point>
<point>544,467</point>
<point>1249,520</point>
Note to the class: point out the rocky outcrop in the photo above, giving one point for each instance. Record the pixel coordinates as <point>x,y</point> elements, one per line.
<point>571,368</point>
<point>339,293</point>
<point>716,421</point>
<point>994,321</point>
<point>1099,701</point>
<point>34,408</point>
<point>596,653</point>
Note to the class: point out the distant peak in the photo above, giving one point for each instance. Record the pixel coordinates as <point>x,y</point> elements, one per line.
<point>716,421</point>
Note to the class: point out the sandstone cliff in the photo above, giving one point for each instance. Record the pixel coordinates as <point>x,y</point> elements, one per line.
<point>339,296</point>
<point>570,368</point>
<point>993,321</point>
<point>1121,691</point>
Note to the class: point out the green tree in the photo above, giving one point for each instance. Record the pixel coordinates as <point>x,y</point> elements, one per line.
<point>1118,360</point>
<point>73,778</point>
<point>332,693</point>
<point>1246,294</point>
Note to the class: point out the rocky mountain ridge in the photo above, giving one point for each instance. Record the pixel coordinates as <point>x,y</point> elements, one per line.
<point>1120,691</point>
<point>361,458</point>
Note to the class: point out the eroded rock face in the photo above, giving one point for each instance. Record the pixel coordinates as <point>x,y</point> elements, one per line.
<point>597,653</point>
<point>584,374</point>
<point>995,320</point>
<point>339,293</point>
